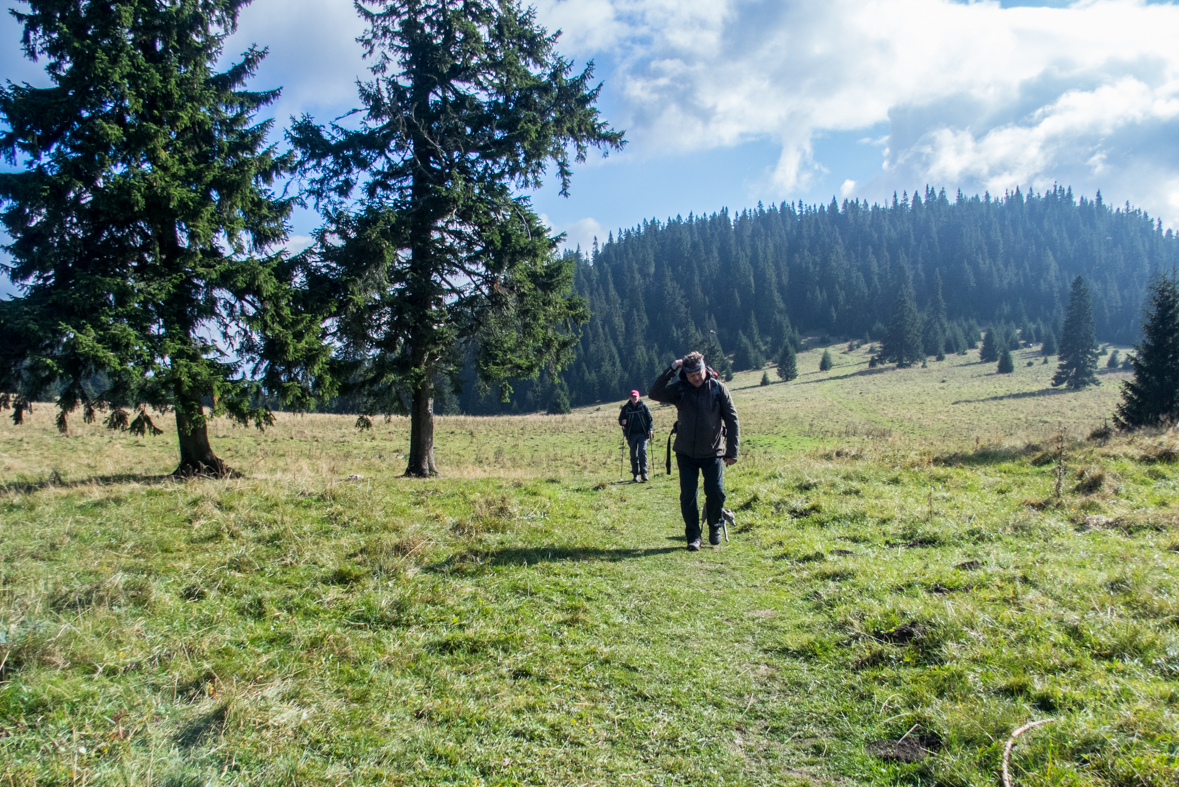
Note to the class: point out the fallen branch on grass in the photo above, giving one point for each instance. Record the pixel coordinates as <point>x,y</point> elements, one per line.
<point>1011,744</point>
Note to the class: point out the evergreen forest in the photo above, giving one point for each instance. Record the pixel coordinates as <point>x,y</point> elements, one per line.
<point>740,287</point>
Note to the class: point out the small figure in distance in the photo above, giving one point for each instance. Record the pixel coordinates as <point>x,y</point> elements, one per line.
<point>706,439</point>
<point>638,427</point>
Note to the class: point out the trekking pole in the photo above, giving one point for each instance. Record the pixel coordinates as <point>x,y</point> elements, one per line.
<point>622,460</point>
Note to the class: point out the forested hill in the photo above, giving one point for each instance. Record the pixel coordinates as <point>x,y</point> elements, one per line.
<point>763,276</point>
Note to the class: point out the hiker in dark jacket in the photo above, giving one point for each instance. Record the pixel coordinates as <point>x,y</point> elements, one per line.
<point>706,439</point>
<point>638,427</point>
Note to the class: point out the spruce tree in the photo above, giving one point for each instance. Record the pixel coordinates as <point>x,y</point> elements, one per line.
<point>1151,397</point>
<point>1049,346</point>
<point>1078,341</point>
<point>935,327</point>
<point>787,362</point>
<point>426,245</point>
<point>765,378</point>
<point>902,341</point>
<point>714,356</point>
<point>748,355</point>
<point>559,400</point>
<point>1115,360</point>
<point>989,352</point>
<point>825,363</point>
<point>142,224</point>
<point>1006,362</point>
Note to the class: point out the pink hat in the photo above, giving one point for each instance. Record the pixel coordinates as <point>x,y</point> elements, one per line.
<point>635,393</point>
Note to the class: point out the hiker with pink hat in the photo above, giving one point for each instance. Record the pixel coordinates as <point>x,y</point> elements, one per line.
<point>638,427</point>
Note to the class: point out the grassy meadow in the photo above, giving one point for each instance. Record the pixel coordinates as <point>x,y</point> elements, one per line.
<point>924,561</point>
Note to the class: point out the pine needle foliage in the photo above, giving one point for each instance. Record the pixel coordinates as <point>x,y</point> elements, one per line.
<point>1006,362</point>
<point>1152,397</point>
<point>902,343</point>
<point>433,258</point>
<point>989,352</point>
<point>1078,341</point>
<point>787,362</point>
<point>141,216</point>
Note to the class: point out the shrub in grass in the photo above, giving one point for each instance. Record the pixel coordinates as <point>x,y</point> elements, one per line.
<point>825,363</point>
<point>1006,363</point>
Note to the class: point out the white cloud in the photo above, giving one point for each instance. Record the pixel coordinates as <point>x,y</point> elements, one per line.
<point>313,53</point>
<point>582,233</point>
<point>847,189</point>
<point>297,243</point>
<point>973,93</point>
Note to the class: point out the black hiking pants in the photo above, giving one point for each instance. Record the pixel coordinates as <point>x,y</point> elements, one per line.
<point>713,470</point>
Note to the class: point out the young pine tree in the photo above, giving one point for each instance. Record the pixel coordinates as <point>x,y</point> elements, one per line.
<point>1152,397</point>
<point>1078,341</point>
<point>989,353</point>
<point>1006,362</point>
<point>559,400</point>
<point>748,355</point>
<point>142,218</point>
<point>935,327</point>
<point>787,362</point>
<point>825,363</point>
<point>1049,345</point>
<point>1115,360</point>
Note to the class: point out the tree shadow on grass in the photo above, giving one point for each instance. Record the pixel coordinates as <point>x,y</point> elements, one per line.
<point>1024,395</point>
<point>519,556</point>
<point>203,726</point>
<point>25,487</point>
<point>849,375</point>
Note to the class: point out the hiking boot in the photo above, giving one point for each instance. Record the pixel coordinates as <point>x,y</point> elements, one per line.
<point>644,478</point>
<point>714,532</point>
<point>636,479</point>
<point>694,546</point>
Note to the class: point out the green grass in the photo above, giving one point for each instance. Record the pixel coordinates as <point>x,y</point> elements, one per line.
<point>901,565</point>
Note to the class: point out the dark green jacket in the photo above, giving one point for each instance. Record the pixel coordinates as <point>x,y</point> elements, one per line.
<point>707,420</point>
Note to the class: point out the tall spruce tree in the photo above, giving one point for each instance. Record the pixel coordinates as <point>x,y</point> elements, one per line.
<point>437,260</point>
<point>137,215</point>
<point>1151,398</point>
<point>1078,341</point>
<point>902,342</point>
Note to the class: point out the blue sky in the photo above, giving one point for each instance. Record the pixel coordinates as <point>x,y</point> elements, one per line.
<point>730,102</point>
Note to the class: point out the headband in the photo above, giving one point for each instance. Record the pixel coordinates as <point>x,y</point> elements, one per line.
<point>696,368</point>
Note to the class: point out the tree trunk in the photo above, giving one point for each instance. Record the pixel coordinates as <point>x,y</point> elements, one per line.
<point>421,431</point>
<point>196,455</point>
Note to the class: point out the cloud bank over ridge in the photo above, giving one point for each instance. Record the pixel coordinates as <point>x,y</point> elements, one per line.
<point>972,95</point>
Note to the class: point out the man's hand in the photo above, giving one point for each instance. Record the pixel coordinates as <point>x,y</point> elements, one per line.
<point>730,461</point>
<point>650,433</point>
<point>677,363</point>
